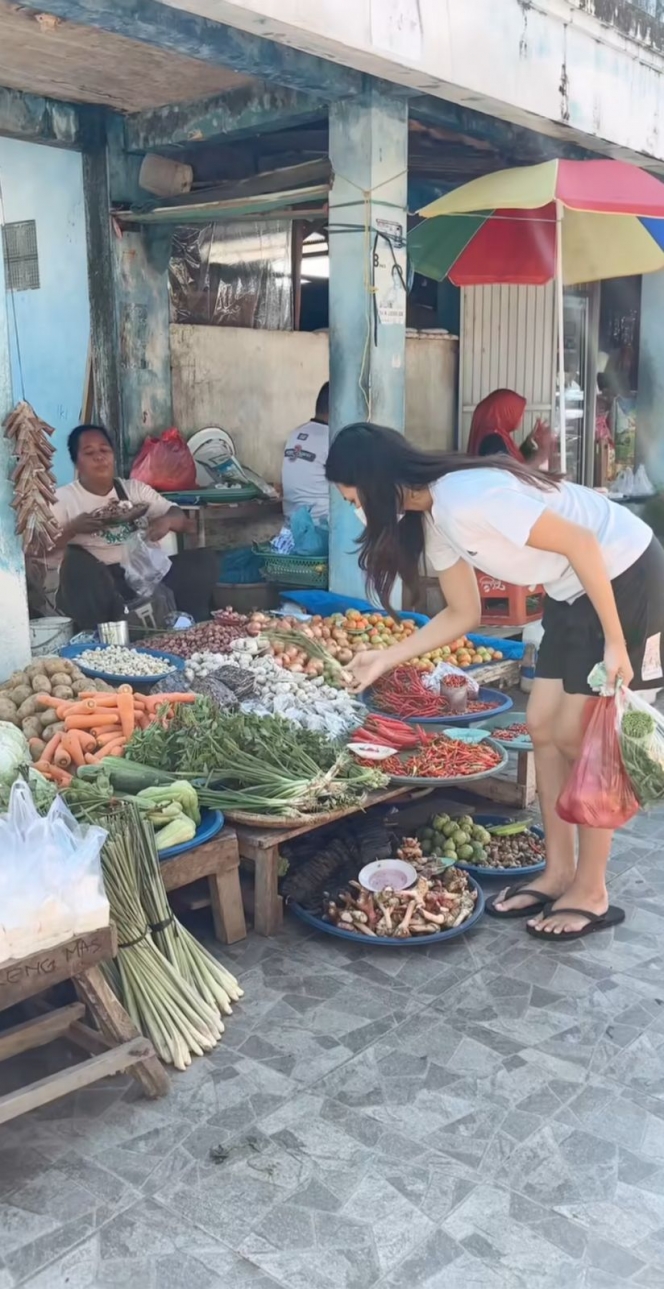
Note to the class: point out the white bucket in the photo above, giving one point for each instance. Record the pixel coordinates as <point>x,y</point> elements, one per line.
<point>47,635</point>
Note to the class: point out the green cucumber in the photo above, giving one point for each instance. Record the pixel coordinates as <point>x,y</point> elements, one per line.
<point>127,776</point>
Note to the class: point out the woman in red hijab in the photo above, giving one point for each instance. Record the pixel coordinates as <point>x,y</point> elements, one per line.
<point>496,419</point>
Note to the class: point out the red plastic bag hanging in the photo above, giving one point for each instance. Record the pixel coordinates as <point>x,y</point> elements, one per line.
<point>165,463</point>
<point>598,793</point>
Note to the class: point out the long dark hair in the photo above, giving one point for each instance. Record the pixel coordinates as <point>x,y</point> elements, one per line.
<point>381,463</point>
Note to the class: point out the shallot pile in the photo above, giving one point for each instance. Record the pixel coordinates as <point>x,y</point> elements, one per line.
<point>207,637</point>
<point>303,698</point>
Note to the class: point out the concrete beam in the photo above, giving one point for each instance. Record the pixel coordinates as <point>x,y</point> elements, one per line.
<point>211,42</point>
<point>37,120</point>
<point>517,140</point>
<point>241,113</point>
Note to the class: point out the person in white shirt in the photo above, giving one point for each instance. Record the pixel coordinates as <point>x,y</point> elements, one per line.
<point>303,471</point>
<point>93,587</point>
<point>603,573</point>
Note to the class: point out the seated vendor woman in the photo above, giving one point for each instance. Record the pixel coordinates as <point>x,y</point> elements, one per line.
<point>93,586</point>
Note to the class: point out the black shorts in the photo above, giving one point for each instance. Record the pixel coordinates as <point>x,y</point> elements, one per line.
<point>573,640</point>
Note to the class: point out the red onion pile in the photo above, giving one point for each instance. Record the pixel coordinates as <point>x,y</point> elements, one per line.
<point>207,637</point>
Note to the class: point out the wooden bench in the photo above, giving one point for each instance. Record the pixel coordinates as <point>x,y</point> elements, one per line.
<point>117,1044</point>
<point>218,861</point>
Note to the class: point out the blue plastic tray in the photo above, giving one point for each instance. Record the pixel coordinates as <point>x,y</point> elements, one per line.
<point>515,718</point>
<point>212,822</point>
<point>386,941</point>
<point>503,704</point>
<point>478,870</point>
<point>74,652</point>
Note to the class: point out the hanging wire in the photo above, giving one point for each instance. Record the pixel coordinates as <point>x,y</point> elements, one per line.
<point>12,296</point>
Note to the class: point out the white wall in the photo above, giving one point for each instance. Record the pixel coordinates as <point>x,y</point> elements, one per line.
<point>259,385</point>
<point>550,64</point>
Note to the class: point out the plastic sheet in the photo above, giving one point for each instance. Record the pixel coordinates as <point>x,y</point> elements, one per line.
<point>233,275</point>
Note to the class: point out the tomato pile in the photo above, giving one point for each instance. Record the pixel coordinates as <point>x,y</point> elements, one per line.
<point>345,634</point>
<point>443,758</point>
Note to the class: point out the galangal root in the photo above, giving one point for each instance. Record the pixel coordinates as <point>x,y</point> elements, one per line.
<point>431,906</point>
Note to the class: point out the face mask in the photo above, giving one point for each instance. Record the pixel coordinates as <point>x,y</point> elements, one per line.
<point>361,516</point>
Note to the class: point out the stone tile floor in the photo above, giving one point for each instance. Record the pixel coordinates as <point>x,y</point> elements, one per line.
<point>486,1116</point>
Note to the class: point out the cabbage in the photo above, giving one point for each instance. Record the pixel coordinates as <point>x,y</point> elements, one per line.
<point>14,752</point>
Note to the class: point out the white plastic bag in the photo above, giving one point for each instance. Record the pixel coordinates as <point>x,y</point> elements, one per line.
<point>641,737</point>
<point>431,679</point>
<point>51,886</point>
<point>146,565</point>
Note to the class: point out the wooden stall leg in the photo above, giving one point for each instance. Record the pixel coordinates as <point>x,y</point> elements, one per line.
<point>117,1027</point>
<point>227,910</point>
<point>268,905</point>
<point>525,777</point>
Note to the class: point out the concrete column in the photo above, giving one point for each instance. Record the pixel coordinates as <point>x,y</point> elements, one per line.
<point>128,295</point>
<point>15,632</point>
<point>368,205</point>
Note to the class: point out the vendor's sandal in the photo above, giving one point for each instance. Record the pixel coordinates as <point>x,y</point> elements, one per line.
<point>540,901</point>
<point>596,922</point>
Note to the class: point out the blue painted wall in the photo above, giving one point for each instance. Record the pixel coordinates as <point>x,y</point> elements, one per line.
<point>53,323</point>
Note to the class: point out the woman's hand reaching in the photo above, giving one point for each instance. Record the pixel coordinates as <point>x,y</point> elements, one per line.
<point>366,668</point>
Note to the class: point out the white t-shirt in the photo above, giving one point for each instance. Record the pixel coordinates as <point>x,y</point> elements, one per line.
<point>486,517</point>
<point>303,470</point>
<point>109,547</point>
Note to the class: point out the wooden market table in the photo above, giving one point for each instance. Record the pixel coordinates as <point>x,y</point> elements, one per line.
<point>116,1045</point>
<point>217,860</point>
<point>260,847</point>
<point>258,508</point>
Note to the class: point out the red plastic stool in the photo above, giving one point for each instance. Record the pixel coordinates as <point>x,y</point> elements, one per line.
<point>504,605</point>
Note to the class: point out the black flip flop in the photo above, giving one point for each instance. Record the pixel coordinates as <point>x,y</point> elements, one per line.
<point>540,902</point>
<point>596,922</point>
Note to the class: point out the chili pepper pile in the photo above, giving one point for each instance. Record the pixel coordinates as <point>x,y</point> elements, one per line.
<point>443,758</point>
<point>511,732</point>
<point>403,693</point>
<point>385,732</point>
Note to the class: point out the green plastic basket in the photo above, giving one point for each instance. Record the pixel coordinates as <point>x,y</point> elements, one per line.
<point>294,570</point>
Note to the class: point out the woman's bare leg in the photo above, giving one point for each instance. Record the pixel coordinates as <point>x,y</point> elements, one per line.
<point>552,769</point>
<point>587,889</point>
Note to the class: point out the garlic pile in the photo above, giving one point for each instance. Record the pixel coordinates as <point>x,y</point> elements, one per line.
<point>304,699</point>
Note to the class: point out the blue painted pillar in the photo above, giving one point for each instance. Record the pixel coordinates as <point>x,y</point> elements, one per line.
<point>368,205</point>
<point>15,635</point>
<point>650,403</point>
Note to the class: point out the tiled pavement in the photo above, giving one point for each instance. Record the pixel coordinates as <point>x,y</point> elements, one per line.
<point>486,1116</point>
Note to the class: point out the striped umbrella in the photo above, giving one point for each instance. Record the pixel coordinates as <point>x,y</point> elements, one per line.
<point>575,221</point>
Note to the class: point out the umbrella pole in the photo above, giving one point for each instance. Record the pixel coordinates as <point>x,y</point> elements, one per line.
<point>560,305</point>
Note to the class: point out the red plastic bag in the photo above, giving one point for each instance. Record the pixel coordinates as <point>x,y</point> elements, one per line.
<point>165,463</point>
<point>598,793</point>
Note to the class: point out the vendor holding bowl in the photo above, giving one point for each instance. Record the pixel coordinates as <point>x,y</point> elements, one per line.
<point>95,540</point>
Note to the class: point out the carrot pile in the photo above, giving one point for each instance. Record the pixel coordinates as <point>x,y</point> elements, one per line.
<point>96,725</point>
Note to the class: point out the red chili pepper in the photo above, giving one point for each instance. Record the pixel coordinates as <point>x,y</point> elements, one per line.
<point>443,758</point>
<point>403,693</point>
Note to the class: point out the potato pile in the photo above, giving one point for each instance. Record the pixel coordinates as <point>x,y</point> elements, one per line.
<point>18,696</point>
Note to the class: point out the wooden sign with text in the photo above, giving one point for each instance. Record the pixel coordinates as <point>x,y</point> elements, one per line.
<point>20,978</point>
